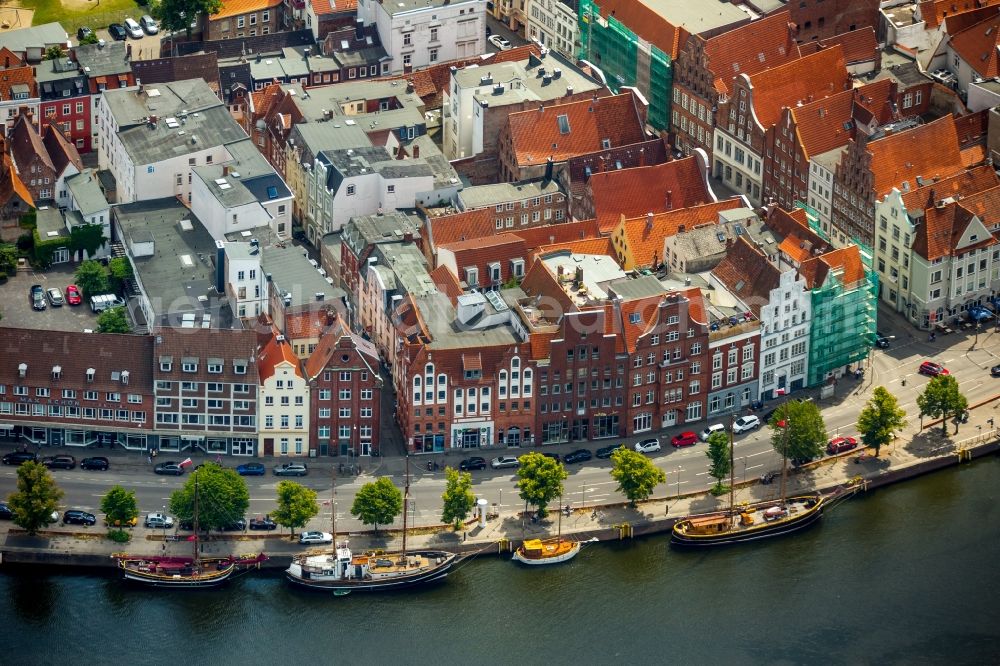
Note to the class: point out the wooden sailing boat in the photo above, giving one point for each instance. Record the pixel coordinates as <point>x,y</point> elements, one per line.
<point>548,551</point>
<point>754,521</point>
<point>184,572</point>
<point>342,572</point>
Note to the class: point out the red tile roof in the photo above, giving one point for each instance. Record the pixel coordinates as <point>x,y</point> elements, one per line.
<point>9,78</point>
<point>306,324</point>
<point>747,273</point>
<point>944,226</point>
<point>749,49</point>
<point>929,151</point>
<point>274,353</point>
<point>933,12</point>
<point>24,143</point>
<point>644,241</point>
<point>804,80</point>
<point>324,7</point>
<point>539,133</point>
<point>444,229</point>
<point>237,7</point>
<point>647,310</point>
<point>61,150</point>
<point>600,245</point>
<point>447,283</point>
<point>637,191</point>
<point>11,185</point>
<point>966,183</point>
<point>846,261</point>
<point>985,204</point>
<point>558,233</point>
<point>977,46</point>
<point>859,45</point>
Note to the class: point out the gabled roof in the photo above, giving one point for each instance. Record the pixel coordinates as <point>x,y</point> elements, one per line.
<point>929,151</point>
<point>933,12</point>
<point>237,7</point>
<point>563,131</point>
<point>324,7</point>
<point>11,185</point>
<point>811,77</point>
<point>859,45</point>
<point>985,204</point>
<point>645,22</point>
<point>966,183</point>
<point>17,76</point>
<point>645,240</point>
<point>306,324</point>
<point>829,122</point>
<point>977,46</point>
<point>25,143</point>
<point>600,245</point>
<point>846,261</point>
<point>60,150</point>
<point>637,191</point>
<point>747,273</point>
<point>558,233</point>
<point>749,49</point>
<point>274,353</point>
<point>447,282</point>
<point>330,342</point>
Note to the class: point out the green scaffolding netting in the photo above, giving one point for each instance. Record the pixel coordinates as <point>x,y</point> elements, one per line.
<point>844,318</point>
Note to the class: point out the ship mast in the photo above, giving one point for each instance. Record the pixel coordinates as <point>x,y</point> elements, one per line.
<point>406,501</point>
<point>195,542</point>
<point>333,508</point>
<point>784,455</point>
<point>559,523</point>
<point>732,465</point>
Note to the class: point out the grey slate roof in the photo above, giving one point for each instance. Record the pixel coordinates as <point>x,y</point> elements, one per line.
<point>104,60</point>
<point>487,196</point>
<point>40,36</point>
<point>257,180</point>
<point>86,192</point>
<point>292,274</point>
<point>201,130</point>
<point>131,107</point>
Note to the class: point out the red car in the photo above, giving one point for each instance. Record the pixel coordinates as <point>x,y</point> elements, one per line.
<point>73,295</point>
<point>684,439</point>
<point>932,369</point>
<point>841,444</point>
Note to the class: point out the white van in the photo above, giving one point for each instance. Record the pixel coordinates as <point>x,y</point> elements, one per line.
<point>102,302</point>
<point>707,432</point>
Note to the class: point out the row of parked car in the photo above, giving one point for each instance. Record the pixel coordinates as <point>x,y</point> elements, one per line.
<point>40,298</point>
<point>173,468</point>
<point>146,25</point>
<point>56,462</point>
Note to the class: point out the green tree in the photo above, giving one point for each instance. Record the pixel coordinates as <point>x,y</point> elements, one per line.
<point>719,454</point>
<point>540,480</point>
<point>635,473</point>
<point>113,320</point>
<point>36,499</point>
<point>377,503</point>
<point>296,505</point>
<point>941,399</point>
<point>177,15</point>
<point>53,53</point>
<point>92,278</point>
<point>120,269</point>
<point>223,497</point>
<point>797,430</point>
<point>89,39</point>
<point>8,258</point>
<point>457,497</point>
<point>120,506</point>
<point>880,418</point>
<point>88,238</point>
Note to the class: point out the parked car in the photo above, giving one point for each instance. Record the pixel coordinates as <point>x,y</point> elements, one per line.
<point>605,451</point>
<point>19,458</point>
<point>169,467</point>
<point>995,371</point>
<point>158,521</point>
<point>932,369</point>
<point>5,512</point>
<point>578,456</point>
<point>475,462</point>
<point>647,446</point>
<point>77,517</point>
<point>841,444</point>
<point>36,296</point>
<point>501,462</point>
<point>117,32</point>
<point>149,24</point>
<point>746,423</point>
<point>251,469</point>
<point>315,537</point>
<point>500,43</point>
<point>264,523</point>
<point>799,462</point>
<point>73,296</point>
<point>97,462</point>
<point>83,32</point>
<point>686,438</point>
<point>881,340</point>
<point>291,469</point>
<point>133,29</point>
<point>707,432</point>
<point>59,462</point>
<point>238,525</point>
<point>549,454</point>
<point>55,297</point>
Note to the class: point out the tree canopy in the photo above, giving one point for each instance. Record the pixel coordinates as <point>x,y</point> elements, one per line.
<point>540,480</point>
<point>635,473</point>
<point>880,419</point>
<point>941,399</point>
<point>177,15</point>
<point>797,430</point>
<point>223,497</point>
<point>457,497</point>
<point>36,499</point>
<point>296,505</point>
<point>113,320</point>
<point>120,506</point>
<point>92,278</point>
<point>377,503</point>
<point>719,455</point>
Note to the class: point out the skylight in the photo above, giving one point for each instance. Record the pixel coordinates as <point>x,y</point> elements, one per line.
<point>563,121</point>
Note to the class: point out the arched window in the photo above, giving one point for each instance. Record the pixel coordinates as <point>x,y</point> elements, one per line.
<point>515,362</point>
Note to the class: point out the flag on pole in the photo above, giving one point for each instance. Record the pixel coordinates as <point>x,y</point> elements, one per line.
<point>186,461</point>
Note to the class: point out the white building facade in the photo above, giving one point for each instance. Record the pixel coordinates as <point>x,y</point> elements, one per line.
<point>785,322</point>
<point>283,421</point>
<point>553,24</point>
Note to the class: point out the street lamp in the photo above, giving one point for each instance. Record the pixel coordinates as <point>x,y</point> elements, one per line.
<point>744,470</point>
<point>164,522</point>
<point>679,470</point>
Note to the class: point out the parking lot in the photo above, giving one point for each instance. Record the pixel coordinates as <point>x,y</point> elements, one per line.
<point>17,312</point>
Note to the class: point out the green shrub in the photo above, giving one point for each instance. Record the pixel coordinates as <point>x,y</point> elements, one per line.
<point>119,536</point>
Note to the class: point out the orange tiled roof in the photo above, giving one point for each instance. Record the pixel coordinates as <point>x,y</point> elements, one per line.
<point>644,241</point>
<point>972,128</point>
<point>804,80</point>
<point>985,204</point>
<point>846,261</point>
<point>749,49</point>
<point>930,151</point>
<point>11,184</point>
<point>933,12</point>
<point>943,227</point>
<point>541,344</point>
<point>558,233</point>
<point>263,99</point>
<point>447,283</point>
<point>647,309</point>
<point>324,7</point>
<point>973,155</point>
<point>274,353</point>
<point>747,273</point>
<point>825,124</point>
<point>237,7</point>
<point>977,45</point>
<point>966,183</point>
<point>478,223</point>
<point>307,324</point>
<point>640,190</point>
<point>17,76</point>
<point>540,133</point>
<point>859,45</point>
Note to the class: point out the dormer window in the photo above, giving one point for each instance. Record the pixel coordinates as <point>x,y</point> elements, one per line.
<point>215,366</point>
<point>240,367</point>
<point>166,363</point>
<point>189,365</point>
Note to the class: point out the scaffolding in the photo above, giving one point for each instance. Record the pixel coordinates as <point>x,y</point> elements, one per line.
<point>627,60</point>
<point>844,318</point>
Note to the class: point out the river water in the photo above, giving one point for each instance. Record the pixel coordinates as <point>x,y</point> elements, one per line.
<point>902,575</point>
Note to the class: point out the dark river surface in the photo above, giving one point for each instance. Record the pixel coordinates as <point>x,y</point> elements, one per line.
<point>902,575</point>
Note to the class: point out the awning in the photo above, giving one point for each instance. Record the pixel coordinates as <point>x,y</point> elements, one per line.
<point>6,426</point>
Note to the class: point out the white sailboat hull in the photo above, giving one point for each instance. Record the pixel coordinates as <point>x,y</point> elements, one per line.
<point>555,559</point>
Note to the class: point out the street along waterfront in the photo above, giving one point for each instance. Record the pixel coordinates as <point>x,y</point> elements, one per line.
<point>903,574</point>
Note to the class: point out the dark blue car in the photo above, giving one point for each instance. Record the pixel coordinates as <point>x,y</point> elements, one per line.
<point>251,469</point>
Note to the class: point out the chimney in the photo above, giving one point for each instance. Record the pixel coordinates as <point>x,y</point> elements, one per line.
<point>642,157</point>
<point>680,228</point>
<point>649,221</point>
<point>225,169</point>
<point>669,202</point>
<point>548,169</point>
<point>416,151</point>
<point>559,269</point>
<point>359,29</point>
<point>409,88</point>
<point>331,316</point>
<point>578,277</point>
